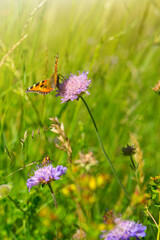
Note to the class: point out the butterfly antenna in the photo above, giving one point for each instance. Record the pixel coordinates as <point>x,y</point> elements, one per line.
<point>56,64</point>
<point>56,69</point>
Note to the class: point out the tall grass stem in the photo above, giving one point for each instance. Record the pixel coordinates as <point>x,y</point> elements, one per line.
<point>102,147</point>
<point>152,218</point>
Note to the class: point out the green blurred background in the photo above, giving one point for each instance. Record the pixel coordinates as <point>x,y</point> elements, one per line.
<point>118,42</point>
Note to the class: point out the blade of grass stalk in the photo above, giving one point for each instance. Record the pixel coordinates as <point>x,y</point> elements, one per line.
<point>12,49</point>
<point>102,147</point>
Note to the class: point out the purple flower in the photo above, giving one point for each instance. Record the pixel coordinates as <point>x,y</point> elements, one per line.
<point>46,174</point>
<point>124,230</point>
<point>73,87</point>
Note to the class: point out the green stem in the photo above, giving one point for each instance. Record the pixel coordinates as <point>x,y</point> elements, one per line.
<point>53,196</point>
<point>133,163</point>
<point>55,203</point>
<point>136,173</point>
<point>16,205</point>
<point>158,229</point>
<point>102,147</point>
<point>152,218</point>
<point>158,235</point>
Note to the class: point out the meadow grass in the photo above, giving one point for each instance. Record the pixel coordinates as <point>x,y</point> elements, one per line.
<point>118,42</point>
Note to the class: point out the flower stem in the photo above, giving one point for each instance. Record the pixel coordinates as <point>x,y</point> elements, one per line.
<point>133,165</point>
<point>16,204</point>
<point>53,196</point>
<point>102,147</point>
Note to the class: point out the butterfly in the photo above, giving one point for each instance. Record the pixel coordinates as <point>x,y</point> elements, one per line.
<point>108,217</point>
<point>46,160</point>
<point>47,85</point>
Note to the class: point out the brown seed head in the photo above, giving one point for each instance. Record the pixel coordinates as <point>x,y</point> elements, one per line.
<point>129,150</point>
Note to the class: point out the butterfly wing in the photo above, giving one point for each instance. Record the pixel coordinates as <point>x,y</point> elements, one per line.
<point>48,85</point>
<point>42,87</point>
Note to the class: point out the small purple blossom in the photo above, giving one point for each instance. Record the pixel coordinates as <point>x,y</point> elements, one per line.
<point>124,230</point>
<point>73,87</point>
<point>46,174</point>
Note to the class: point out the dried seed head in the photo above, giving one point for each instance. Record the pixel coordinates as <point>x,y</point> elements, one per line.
<point>86,160</point>
<point>63,142</point>
<point>157,88</point>
<point>79,235</point>
<point>24,138</point>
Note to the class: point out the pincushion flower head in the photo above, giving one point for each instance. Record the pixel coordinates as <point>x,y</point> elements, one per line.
<point>124,230</point>
<point>46,174</point>
<point>73,87</point>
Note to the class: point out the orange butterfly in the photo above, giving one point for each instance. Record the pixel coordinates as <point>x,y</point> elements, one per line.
<point>48,85</point>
